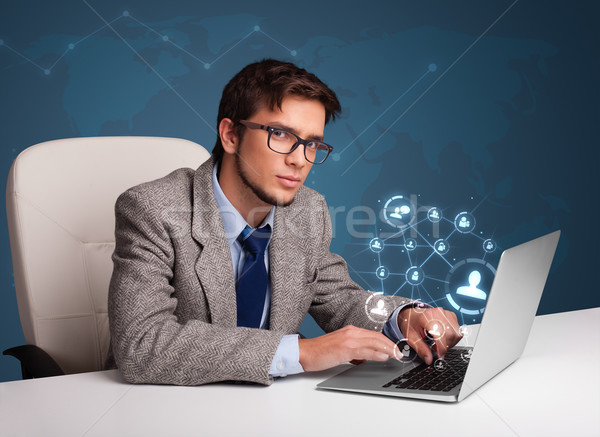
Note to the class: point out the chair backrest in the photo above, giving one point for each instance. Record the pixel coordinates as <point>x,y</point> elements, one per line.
<point>60,199</point>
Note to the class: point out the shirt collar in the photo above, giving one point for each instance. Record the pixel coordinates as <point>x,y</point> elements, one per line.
<point>233,222</point>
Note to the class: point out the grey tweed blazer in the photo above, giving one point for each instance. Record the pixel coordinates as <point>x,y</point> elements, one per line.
<point>172,304</point>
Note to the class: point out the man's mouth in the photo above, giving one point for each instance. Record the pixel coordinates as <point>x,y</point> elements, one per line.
<point>289,181</point>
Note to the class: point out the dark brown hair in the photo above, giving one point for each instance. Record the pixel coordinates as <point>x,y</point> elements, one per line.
<point>268,82</point>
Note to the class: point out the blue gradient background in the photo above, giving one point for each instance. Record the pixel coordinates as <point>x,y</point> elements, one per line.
<point>508,121</point>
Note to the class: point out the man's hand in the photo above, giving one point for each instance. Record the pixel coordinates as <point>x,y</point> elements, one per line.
<point>441,325</point>
<point>347,344</point>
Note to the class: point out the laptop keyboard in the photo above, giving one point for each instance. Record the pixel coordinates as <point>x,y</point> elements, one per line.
<point>424,377</point>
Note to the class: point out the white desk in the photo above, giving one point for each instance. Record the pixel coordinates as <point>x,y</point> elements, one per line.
<point>527,399</point>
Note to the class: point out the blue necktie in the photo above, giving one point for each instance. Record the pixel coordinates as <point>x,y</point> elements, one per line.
<point>252,281</point>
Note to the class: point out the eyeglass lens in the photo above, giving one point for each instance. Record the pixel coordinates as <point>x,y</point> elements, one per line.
<point>283,141</point>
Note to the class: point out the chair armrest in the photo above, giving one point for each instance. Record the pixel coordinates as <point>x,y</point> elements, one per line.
<point>35,362</point>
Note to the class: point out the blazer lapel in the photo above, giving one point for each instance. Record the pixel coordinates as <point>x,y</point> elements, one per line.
<point>213,267</point>
<point>286,270</point>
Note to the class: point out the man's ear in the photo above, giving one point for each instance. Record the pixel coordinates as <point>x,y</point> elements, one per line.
<point>229,136</point>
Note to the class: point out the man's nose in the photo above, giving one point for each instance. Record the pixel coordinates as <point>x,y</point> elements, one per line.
<point>296,158</point>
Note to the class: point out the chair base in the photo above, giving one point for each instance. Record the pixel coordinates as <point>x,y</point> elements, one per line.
<point>35,362</point>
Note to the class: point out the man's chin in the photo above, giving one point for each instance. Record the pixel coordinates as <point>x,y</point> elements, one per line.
<point>274,199</point>
<point>286,202</point>
<point>284,199</point>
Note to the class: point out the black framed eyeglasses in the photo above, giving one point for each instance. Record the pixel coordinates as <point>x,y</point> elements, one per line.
<point>285,142</point>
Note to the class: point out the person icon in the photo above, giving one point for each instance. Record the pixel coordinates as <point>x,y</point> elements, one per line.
<point>403,352</point>
<point>489,246</point>
<point>382,272</point>
<point>435,331</point>
<point>376,245</point>
<point>440,365</point>
<point>471,290</point>
<point>380,308</point>
<point>465,223</point>
<point>441,247</point>
<point>434,215</point>
<point>399,210</point>
<point>415,276</point>
<point>410,244</point>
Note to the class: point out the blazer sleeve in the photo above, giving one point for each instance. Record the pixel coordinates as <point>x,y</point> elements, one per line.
<point>149,343</point>
<point>338,301</point>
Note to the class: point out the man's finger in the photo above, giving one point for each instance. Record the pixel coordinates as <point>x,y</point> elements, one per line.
<point>452,331</point>
<point>441,348</point>
<point>369,345</point>
<point>443,329</point>
<point>417,342</point>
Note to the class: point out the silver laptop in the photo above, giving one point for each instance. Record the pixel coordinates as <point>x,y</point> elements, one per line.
<point>509,314</point>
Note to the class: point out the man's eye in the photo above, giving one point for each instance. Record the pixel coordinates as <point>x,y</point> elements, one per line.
<point>279,134</point>
<point>316,145</point>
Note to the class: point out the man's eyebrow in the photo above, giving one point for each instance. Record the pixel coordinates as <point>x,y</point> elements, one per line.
<point>292,130</point>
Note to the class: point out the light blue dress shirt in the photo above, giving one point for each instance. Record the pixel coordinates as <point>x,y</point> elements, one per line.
<point>287,357</point>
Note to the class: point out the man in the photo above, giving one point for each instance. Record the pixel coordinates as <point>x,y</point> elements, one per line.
<point>215,269</point>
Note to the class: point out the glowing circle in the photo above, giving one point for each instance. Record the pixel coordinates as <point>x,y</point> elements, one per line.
<point>464,222</point>
<point>489,245</point>
<point>405,352</point>
<point>376,245</point>
<point>467,291</point>
<point>441,246</point>
<point>398,212</point>
<point>440,365</point>
<point>410,244</point>
<point>377,309</point>
<point>415,275</point>
<point>434,215</point>
<point>435,329</point>
<point>382,272</point>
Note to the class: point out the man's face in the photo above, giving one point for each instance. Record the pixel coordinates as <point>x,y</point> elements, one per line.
<point>273,178</point>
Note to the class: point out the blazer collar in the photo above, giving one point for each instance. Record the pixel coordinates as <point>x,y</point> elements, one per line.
<point>206,220</point>
<point>214,266</point>
<point>287,262</point>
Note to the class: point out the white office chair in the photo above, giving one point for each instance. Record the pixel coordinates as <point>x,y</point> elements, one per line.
<point>60,199</point>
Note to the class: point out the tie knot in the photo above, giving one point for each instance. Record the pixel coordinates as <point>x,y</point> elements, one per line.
<point>256,242</point>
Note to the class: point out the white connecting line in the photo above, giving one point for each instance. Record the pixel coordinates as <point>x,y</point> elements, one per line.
<point>431,86</point>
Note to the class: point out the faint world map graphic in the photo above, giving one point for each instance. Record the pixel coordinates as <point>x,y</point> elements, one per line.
<point>400,131</point>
